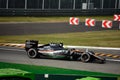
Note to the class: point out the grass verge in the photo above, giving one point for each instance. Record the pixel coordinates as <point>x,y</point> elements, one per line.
<point>110,38</point>
<point>50,19</point>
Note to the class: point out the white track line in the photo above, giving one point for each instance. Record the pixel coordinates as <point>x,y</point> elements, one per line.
<point>90,47</point>
<point>116,60</point>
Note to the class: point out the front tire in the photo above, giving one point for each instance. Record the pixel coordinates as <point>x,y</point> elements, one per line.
<point>85,57</point>
<point>32,53</point>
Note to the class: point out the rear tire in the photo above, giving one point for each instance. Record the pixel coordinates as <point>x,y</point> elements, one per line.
<point>32,53</point>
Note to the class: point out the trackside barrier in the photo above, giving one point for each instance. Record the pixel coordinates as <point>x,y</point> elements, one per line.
<point>54,12</point>
<point>67,46</point>
<point>71,77</point>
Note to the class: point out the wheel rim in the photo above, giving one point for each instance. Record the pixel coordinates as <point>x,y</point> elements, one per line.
<point>85,57</point>
<point>32,53</point>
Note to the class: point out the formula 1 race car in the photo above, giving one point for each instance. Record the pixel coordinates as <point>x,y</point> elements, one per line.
<point>57,51</point>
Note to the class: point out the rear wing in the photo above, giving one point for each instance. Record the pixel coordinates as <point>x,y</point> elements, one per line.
<point>31,44</point>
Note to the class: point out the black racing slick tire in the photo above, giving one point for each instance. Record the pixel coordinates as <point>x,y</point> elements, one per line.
<point>85,57</point>
<point>32,53</point>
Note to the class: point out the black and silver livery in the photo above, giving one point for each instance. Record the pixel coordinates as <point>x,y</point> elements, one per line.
<point>57,51</point>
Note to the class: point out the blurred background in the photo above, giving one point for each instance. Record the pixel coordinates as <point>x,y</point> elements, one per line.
<point>58,7</point>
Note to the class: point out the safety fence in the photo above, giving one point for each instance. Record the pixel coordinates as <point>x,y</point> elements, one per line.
<point>55,12</point>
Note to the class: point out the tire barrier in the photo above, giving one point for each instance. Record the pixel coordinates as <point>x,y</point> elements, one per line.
<point>97,54</point>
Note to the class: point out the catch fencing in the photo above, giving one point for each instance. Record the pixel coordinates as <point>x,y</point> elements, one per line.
<point>55,12</point>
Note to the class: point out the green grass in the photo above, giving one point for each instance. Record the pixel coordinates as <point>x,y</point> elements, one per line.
<point>110,38</point>
<point>51,19</point>
<point>53,70</point>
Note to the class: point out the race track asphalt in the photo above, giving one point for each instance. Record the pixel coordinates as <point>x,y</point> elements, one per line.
<point>17,55</point>
<point>49,28</point>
